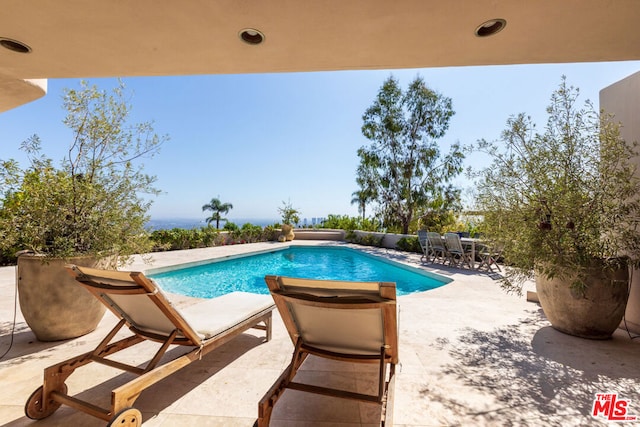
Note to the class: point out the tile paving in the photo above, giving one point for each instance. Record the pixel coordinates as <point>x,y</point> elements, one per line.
<point>470,355</point>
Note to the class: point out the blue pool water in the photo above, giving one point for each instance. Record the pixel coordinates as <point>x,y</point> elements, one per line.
<point>247,273</point>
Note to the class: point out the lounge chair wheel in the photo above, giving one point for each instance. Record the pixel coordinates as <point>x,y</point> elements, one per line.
<point>129,417</point>
<point>34,409</point>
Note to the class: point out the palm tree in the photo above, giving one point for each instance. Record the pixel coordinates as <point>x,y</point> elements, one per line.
<point>367,192</point>
<point>218,208</point>
<point>361,198</point>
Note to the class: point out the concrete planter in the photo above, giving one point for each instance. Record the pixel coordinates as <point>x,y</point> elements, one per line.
<point>595,315</point>
<point>53,304</point>
<point>632,315</point>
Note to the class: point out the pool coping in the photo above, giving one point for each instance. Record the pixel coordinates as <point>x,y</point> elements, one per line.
<point>221,258</point>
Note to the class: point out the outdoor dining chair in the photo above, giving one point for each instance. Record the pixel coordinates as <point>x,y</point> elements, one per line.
<point>457,254</point>
<point>489,255</point>
<point>437,247</point>
<point>424,245</point>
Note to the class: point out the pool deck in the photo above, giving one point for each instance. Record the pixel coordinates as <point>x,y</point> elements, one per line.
<point>471,355</point>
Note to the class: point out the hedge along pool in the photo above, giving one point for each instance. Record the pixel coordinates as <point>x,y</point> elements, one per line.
<point>246,273</point>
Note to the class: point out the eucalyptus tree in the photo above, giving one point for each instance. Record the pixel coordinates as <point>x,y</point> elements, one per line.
<point>217,208</point>
<point>402,166</point>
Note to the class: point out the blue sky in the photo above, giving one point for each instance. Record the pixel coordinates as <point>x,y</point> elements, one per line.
<point>258,140</point>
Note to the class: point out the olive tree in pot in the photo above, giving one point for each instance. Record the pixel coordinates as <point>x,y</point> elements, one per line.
<point>289,215</point>
<point>88,210</point>
<point>563,203</point>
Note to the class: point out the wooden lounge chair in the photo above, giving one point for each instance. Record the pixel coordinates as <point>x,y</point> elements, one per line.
<point>141,305</point>
<point>348,321</point>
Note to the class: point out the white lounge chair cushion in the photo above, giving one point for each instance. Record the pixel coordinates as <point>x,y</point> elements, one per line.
<point>212,317</point>
<point>343,331</point>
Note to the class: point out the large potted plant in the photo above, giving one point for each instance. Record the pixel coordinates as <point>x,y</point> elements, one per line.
<point>290,216</point>
<point>87,210</point>
<point>563,203</point>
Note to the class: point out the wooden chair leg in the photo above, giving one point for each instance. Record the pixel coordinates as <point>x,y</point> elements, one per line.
<point>387,405</point>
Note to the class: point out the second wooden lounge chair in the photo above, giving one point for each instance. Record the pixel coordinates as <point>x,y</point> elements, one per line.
<point>140,304</point>
<point>347,321</point>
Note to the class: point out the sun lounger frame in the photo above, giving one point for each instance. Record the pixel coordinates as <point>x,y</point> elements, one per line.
<point>388,355</point>
<point>53,393</point>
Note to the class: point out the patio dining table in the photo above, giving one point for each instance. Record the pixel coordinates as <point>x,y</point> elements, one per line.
<point>473,243</point>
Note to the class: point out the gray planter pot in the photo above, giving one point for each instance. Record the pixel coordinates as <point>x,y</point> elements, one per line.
<point>53,304</point>
<point>594,315</point>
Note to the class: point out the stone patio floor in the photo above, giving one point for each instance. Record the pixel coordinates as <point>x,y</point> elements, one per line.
<point>471,355</point>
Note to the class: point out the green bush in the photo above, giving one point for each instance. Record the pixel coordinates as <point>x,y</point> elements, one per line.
<point>249,233</point>
<point>91,203</point>
<point>348,223</point>
<point>7,257</point>
<point>365,240</point>
<point>438,221</point>
<point>565,201</point>
<point>180,238</point>
<point>270,233</point>
<point>230,226</point>
<point>409,244</point>
<point>350,236</point>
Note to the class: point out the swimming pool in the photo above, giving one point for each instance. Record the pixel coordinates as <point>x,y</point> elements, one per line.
<point>247,273</point>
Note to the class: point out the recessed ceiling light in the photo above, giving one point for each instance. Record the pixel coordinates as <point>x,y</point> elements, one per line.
<point>251,36</point>
<point>490,27</point>
<point>14,45</point>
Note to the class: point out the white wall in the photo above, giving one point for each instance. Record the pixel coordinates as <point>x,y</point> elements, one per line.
<point>622,99</point>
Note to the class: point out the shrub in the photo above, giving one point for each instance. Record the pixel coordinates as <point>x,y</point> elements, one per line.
<point>409,244</point>
<point>92,203</point>
<point>180,238</point>
<point>366,239</point>
<point>348,223</point>
<point>565,200</point>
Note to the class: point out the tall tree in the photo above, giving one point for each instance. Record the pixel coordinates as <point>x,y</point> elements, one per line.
<point>366,194</point>
<point>403,162</point>
<point>217,208</point>
<point>92,203</point>
<point>360,198</point>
